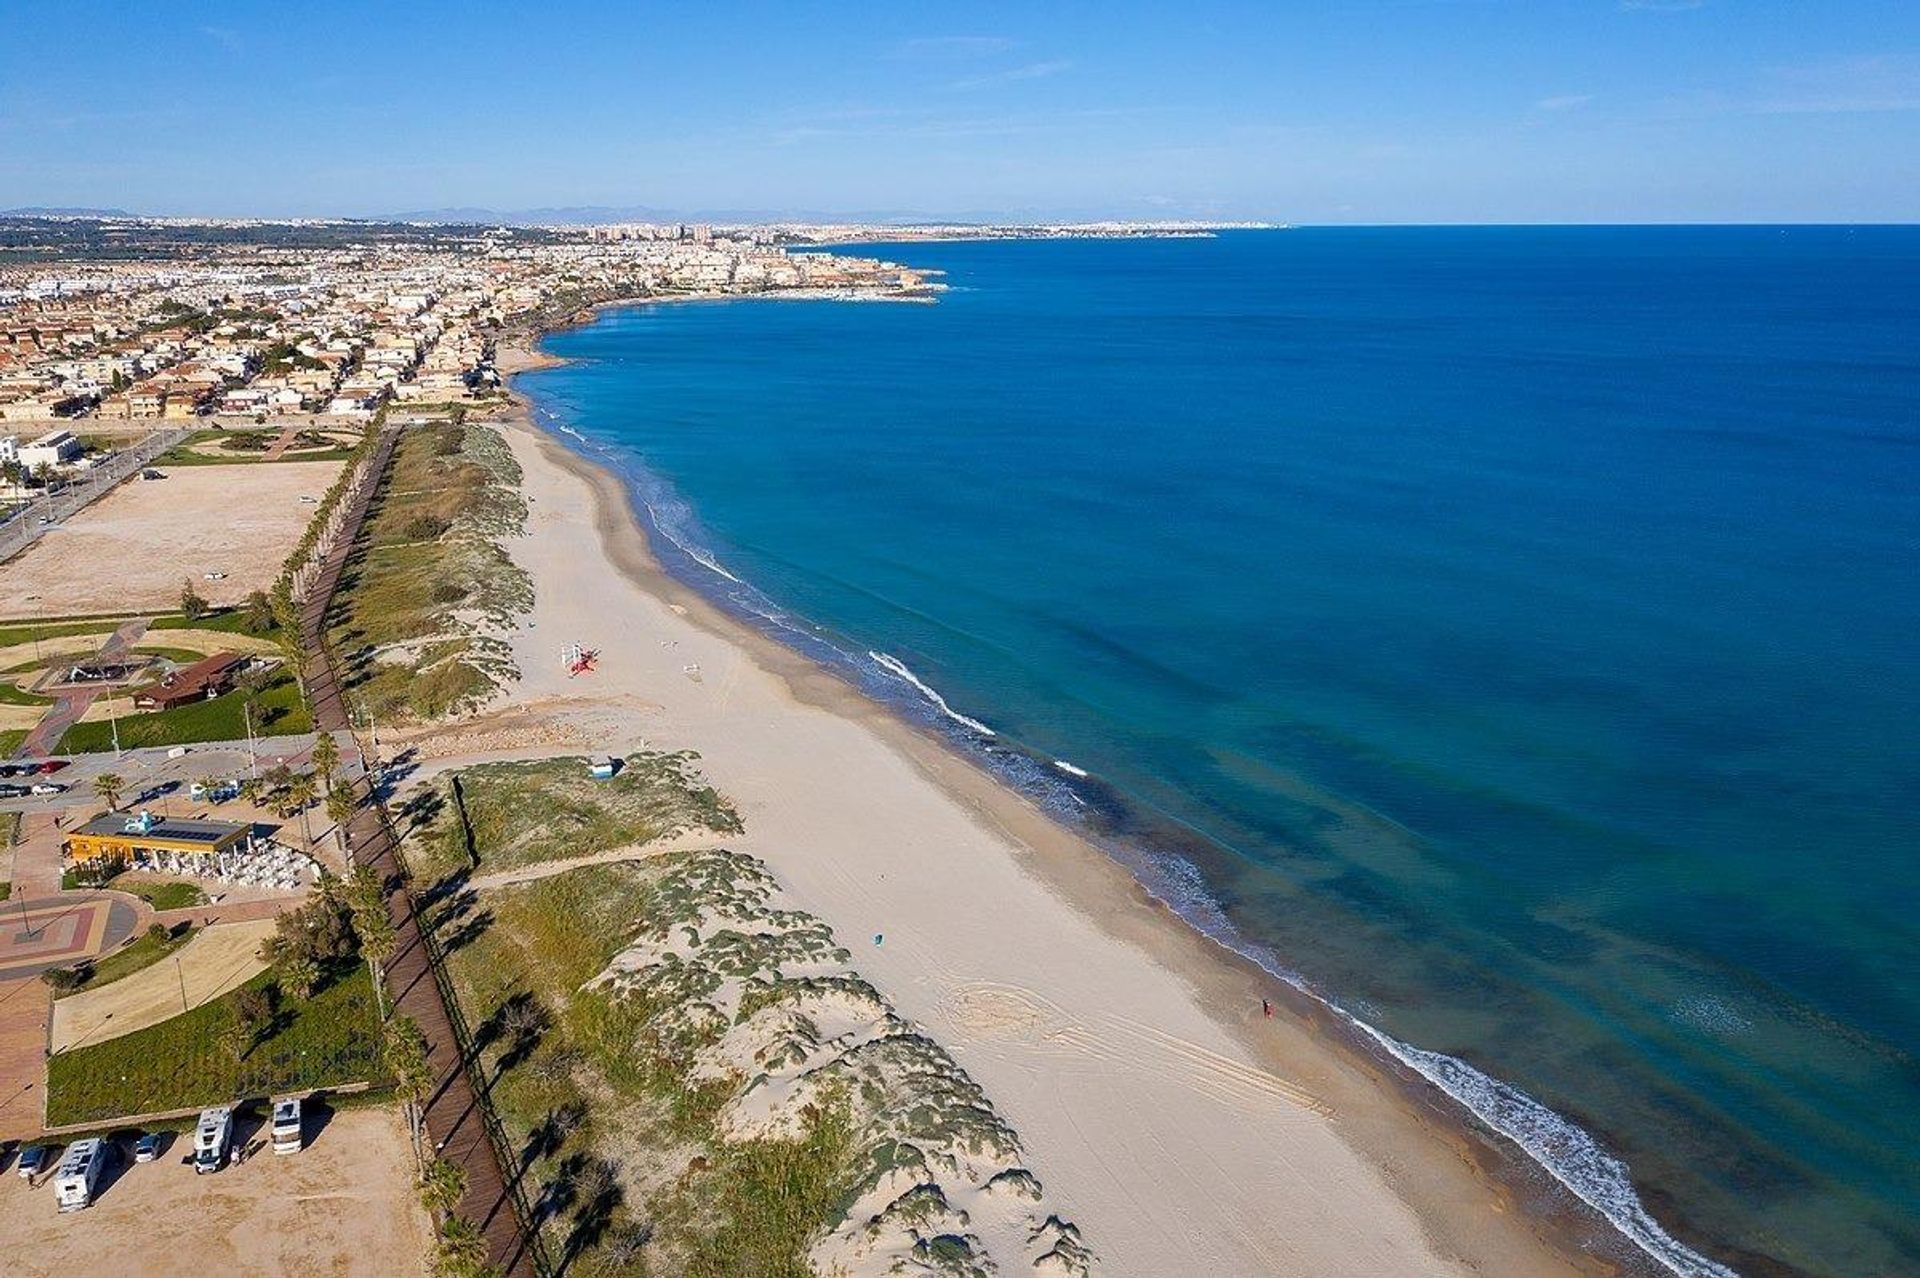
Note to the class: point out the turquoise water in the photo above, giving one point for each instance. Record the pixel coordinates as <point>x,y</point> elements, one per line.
<point>1509,631</point>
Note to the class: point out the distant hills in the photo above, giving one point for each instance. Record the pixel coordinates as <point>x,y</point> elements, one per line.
<point>36,211</point>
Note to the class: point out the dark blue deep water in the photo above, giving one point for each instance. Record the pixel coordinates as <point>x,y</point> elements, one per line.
<point>1517,626</point>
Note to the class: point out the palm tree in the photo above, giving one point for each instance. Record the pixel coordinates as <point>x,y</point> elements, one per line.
<point>326,758</point>
<point>404,1053</point>
<point>340,807</point>
<point>110,786</point>
<point>442,1186</point>
<point>299,797</point>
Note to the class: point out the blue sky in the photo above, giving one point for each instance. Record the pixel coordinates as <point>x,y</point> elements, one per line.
<point>1323,111</point>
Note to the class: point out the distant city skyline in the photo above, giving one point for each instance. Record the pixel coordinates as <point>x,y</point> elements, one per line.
<point>1386,111</point>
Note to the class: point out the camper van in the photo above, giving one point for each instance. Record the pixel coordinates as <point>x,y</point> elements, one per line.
<point>210,1140</point>
<point>79,1172</point>
<point>286,1125</point>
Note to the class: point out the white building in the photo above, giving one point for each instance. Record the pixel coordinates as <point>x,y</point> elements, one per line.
<point>55,448</point>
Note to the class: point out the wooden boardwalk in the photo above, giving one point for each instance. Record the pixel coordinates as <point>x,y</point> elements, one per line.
<point>457,1122</point>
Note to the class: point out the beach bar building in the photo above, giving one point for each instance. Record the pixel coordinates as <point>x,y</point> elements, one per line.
<point>116,839</point>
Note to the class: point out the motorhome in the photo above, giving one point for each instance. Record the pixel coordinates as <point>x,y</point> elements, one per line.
<point>79,1173</point>
<point>210,1140</point>
<point>286,1125</point>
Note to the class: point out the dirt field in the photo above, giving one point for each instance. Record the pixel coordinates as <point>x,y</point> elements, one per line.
<point>129,551</point>
<point>344,1205</point>
<point>217,960</point>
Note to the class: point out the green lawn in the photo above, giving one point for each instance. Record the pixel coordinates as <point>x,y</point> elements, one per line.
<point>174,894</point>
<point>124,962</point>
<point>181,656</point>
<point>244,448</point>
<point>14,695</point>
<point>27,632</point>
<point>10,741</point>
<point>231,621</point>
<point>329,1040</point>
<point>280,711</point>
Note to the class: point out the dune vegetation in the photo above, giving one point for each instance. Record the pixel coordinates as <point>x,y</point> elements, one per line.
<point>696,1080</point>
<point>429,587</point>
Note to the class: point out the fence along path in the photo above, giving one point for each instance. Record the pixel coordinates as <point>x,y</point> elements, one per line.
<point>459,1126</point>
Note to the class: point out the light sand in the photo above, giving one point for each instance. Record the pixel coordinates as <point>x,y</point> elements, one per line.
<point>1178,1129</point>
<point>217,960</point>
<point>345,1205</point>
<point>129,550</point>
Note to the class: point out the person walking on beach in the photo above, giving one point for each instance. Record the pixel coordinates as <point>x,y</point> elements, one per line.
<point>1266,1008</point>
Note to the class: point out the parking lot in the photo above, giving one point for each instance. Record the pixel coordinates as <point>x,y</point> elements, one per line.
<point>343,1205</point>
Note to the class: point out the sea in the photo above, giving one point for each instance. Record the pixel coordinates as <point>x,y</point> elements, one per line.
<point>1510,635</point>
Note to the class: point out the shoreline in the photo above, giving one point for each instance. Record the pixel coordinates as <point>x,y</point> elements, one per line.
<point>1481,1203</point>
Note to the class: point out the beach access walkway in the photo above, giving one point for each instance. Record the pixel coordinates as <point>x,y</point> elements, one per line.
<point>462,1130</point>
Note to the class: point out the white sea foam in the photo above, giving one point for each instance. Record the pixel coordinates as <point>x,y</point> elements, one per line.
<point>1072,770</point>
<point>1569,1154</point>
<point>898,668</point>
<point>1561,1148</point>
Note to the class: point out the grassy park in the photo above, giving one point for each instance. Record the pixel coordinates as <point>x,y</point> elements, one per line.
<point>279,710</point>
<point>154,946</point>
<point>329,1040</point>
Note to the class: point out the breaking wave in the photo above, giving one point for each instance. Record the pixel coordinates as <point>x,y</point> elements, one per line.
<point>899,670</point>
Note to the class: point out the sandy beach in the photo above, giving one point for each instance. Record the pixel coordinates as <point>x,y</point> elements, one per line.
<point>1182,1130</point>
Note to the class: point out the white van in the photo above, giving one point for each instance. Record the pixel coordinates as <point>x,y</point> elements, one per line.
<point>210,1140</point>
<point>286,1125</point>
<point>79,1172</point>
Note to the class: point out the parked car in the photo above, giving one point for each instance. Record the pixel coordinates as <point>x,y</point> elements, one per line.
<point>147,1148</point>
<point>48,787</point>
<point>33,1161</point>
<point>47,767</point>
<point>9,790</point>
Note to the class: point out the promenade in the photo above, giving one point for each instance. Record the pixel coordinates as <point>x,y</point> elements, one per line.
<point>454,1118</point>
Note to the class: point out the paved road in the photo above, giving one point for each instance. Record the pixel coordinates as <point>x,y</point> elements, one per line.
<point>151,772</point>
